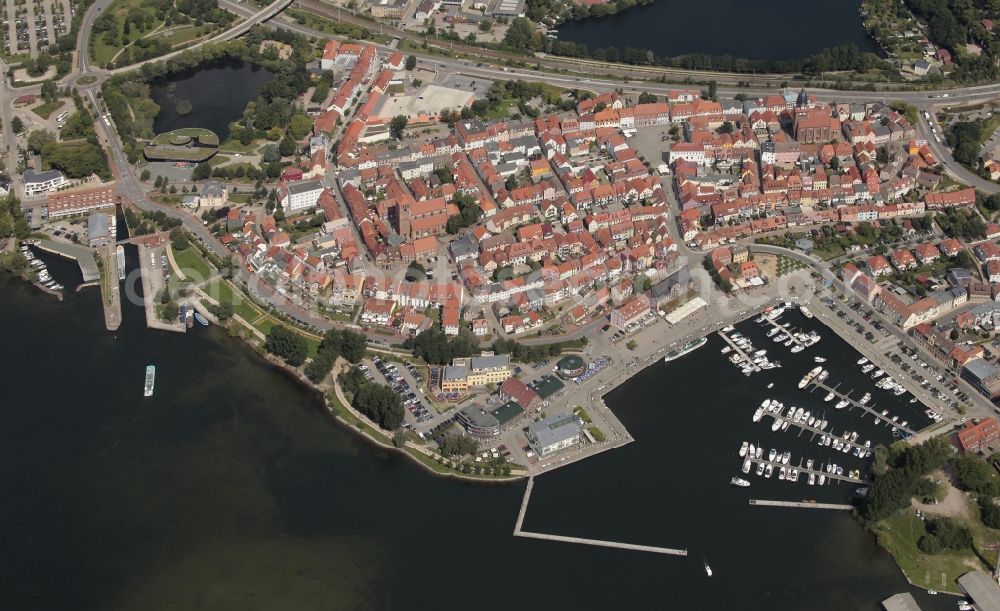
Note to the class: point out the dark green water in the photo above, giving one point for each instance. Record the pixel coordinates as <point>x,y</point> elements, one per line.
<point>230,489</point>
<point>774,30</point>
<point>218,92</point>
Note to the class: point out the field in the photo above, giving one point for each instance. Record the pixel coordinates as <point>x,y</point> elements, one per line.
<point>900,534</point>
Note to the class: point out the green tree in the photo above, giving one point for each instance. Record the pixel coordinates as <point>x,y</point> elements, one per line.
<point>397,126</point>
<point>300,126</point>
<point>17,125</point>
<point>179,239</point>
<point>411,62</point>
<point>287,345</point>
<point>202,171</point>
<point>287,146</point>
<point>144,176</point>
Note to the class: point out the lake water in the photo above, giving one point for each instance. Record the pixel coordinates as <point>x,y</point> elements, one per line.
<point>773,30</point>
<point>231,489</point>
<point>218,93</point>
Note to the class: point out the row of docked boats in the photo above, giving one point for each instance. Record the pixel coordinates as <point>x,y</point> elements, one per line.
<point>40,269</point>
<point>777,463</point>
<point>745,355</point>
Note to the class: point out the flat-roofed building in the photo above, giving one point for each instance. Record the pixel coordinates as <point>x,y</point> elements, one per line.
<point>553,435</point>
<point>478,422</point>
<point>454,378</point>
<point>98,229</point>
<point>982,589</point>
<point>78,201</point>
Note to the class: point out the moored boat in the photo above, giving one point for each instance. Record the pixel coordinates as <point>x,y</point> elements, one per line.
<point>150,381</point>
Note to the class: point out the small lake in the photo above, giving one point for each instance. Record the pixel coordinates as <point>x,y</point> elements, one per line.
<point>773,30</point>
<point>218,93</point>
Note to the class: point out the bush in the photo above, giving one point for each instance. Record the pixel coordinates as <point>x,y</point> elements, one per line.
<point>929,544</point>
<point>989,512</point>
<point>950,533</point>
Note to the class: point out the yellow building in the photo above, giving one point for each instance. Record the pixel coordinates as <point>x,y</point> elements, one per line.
<point>475,371</point>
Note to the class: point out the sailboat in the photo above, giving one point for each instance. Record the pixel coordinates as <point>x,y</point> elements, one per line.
<point>708,569</point>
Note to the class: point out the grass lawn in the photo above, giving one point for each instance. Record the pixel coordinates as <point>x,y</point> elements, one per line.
<point>218,160</point>
<point>195,268</point>
<point>235,146</point>
<point>45,110</point>
<point>239,198</point>
<point>187,34</point>
<point>900,533</point>
<point>503,111</point>
<point>221,290</point>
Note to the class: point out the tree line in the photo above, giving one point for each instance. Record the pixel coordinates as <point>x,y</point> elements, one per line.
<point>336,343</point>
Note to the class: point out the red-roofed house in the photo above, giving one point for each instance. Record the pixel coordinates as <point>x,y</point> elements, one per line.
<point>978,436</point>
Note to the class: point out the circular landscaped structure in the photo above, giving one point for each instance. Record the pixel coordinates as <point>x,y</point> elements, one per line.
<point>570,366</point>
<point>192,144</point>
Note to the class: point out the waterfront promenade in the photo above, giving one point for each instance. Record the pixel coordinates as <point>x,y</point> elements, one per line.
<point>800,504</point>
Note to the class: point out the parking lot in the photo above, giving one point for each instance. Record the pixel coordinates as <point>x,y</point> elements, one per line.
<point>405,381</point>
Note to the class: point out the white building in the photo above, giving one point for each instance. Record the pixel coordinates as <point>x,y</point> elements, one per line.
<point>295,196</point>
<point>39,183</point>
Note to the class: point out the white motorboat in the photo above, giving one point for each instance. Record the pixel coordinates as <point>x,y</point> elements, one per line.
<point>781,473</point>
<point>819,359</point>
<point>746,465</point>
<point>841,404</point>
<point>739,481</point>
<point>784,426</point>
<point>728,328</point>
<point>756,416</point>
<point>768,471</point>
<point>760,469</point>
<point>777,424</point>
<point>830,397</point>
<point>862,361</point>
<point>744,448</point>
<point>797,349</point>
<point>771,455</point>
<point>708,570</point>
<point>867,368</point>
<point>822,479</point>
<point>865,399</point>
<point>812,479</point>
<point>786,457</point>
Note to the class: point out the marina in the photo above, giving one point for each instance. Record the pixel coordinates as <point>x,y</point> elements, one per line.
<point>854,403</point>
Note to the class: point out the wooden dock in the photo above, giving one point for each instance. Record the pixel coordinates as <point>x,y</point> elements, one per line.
<point>802,504</point>
<point>518,532</point>
<point>853,403</point>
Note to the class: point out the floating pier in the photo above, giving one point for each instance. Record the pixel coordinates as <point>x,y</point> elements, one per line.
<point>785,330</point>
<point>853,403</point>
<point>579,540</point>
<point>805,470</point>
<point>802,504</point>
<point>818,431</point>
